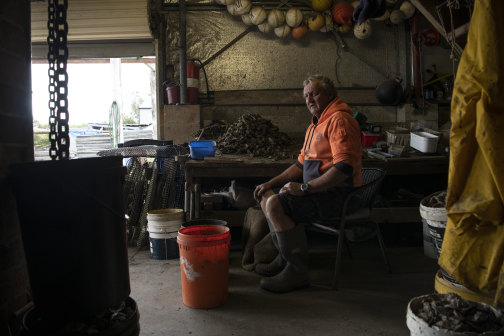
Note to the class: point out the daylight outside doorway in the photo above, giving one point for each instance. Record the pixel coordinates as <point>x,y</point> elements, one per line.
<point>93,86</point>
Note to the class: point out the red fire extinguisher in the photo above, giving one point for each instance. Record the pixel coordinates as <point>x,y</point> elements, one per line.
<point>192,82</point>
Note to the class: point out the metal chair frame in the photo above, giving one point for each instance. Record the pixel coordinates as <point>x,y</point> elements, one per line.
<point>361,199</point>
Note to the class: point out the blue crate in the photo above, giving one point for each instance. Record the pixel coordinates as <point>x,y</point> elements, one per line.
<point>202,148</point>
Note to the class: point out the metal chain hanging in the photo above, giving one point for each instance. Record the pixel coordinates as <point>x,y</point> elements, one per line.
<point>58,79</point>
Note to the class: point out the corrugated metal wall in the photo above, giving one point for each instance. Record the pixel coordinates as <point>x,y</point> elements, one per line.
<point>264,61</point>
<point>96,20</point>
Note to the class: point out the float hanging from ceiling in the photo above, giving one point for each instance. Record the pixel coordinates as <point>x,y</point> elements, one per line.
<point>326,16</point>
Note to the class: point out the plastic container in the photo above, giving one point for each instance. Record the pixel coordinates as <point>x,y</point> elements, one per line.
<point>396,150</point>
<point>165,220</point>
<point>204,222</point>
<point>436,219</point>
<point>129,325</point>
<point>163,226</point>
<point>428,246</point>
<point>200,149</point>
<point>173,94</point>
<point>443,286</point>
<point>71,215</point>
<point>418,327</point>
<point>424,142</point>
<point>398,136</point>
<point>204,265</point>
<point>369,138</point>
<point>163,246</point>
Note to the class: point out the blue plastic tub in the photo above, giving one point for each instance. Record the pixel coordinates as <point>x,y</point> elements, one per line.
<point>202,148</point>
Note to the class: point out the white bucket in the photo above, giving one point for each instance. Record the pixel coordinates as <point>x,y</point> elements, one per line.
<point>166,235</point>
<point>418,327</point>
<point>428,245</point>
<point>163,226</point>
<point>435,218</point>
<point>165,220</point>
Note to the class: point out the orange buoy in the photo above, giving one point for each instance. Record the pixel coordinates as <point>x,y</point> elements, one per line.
<point>300,31</point>
<point>342,13</point>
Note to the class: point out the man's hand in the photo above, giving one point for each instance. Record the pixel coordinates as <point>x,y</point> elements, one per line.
<point>293,188</point>
<point>260,190</point>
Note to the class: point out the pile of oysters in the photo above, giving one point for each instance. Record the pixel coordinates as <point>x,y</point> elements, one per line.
<point>452,312</point>
<point>255,136</point>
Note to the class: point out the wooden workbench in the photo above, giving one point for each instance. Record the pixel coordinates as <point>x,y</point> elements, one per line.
<point>236,167</point>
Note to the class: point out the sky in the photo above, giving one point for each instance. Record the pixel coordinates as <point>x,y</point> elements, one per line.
<point>90,90</point>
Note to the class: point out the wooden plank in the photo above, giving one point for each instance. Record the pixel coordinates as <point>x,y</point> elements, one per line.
<point>180,122</point>
<point>360,96</point>
<point>259,97</point>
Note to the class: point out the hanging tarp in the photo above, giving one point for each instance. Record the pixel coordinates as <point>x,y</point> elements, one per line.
<point>473,246</point>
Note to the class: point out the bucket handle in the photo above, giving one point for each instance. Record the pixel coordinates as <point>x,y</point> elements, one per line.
<point>170,83</point>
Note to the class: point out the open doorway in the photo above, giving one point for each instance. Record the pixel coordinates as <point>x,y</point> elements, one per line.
<point>93,86</point>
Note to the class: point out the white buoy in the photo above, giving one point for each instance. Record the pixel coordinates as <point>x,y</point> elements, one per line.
<point>408,9</point>
<point>264,27</point>
<point>246,19</point>
<point>396,17</point>
<point>363,31</point>
<point>240,7</point>
<point>276,18</point>
<point>282,31</point>
<point>293,17</point>
<point>257,15</point>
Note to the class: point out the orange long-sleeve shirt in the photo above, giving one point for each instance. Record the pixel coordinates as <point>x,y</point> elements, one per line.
<point>333,140</point>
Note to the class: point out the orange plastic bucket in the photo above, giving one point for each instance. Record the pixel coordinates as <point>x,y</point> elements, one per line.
<point>204,265</point>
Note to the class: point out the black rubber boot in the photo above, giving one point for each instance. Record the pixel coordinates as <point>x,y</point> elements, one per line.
<point>275,266</point>
<point>294,249</point>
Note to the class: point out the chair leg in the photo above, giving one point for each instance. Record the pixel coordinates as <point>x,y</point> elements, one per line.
<point>337,263</point>
<point>347,245</point>
<point>382,248</point>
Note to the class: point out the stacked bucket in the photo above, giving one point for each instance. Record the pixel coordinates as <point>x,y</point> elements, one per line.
<point>433,212</point>
<point>163,226</point>
<point>203,248</point>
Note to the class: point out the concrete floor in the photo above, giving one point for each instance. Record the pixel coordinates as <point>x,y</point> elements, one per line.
<point>368,302</point>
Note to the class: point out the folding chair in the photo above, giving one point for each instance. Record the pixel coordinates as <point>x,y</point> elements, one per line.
<point>357,208</point>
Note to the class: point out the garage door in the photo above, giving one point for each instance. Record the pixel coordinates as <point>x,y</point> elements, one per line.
<point>97,28</point>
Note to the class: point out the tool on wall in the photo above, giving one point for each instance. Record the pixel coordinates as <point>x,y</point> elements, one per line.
<point>431,37</point>
<point>437,86</point>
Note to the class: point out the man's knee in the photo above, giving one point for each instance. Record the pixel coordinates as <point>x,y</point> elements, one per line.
<point>265,199</point>
<point>273,206</point>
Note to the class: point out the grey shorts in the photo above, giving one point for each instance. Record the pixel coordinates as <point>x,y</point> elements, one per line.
<point>305,209</point>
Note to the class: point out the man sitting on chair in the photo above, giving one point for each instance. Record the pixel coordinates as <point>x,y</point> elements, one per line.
<point>329,165</point>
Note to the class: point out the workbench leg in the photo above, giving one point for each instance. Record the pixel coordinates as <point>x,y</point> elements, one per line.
<point>197,200</point>
<point>187,198</point>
